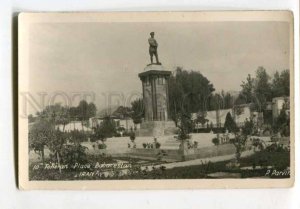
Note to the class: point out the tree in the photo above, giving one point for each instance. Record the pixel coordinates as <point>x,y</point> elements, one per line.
<point>239,142</point>
<point>188,90</point>
<point>201,118</point>
<point>138,111</point>
<point>56,145</point>
<point>85,111</point>
<point>43,133</point>
<point>215,102</point>
<point>39,135</point>
<point>55,114</point>
<point>263,91</point>
<point>185,126</point>
<point>218,101</point>
<point>240,139</point>
<point>51,113</point>
<point>92,109</point>
<point>73,113</point>
<point>105,130</point>
<point>63,117</point>
<point>260,90</point>
<point>228,100</point>
<point>247,90</point>
<point>230,124</point>
<point>241,100</point>
<point>281,84</point>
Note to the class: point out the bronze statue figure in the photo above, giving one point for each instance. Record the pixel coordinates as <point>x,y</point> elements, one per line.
<point>153,48</point>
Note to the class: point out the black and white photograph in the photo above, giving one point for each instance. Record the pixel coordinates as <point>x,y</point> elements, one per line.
<point>197,99</point>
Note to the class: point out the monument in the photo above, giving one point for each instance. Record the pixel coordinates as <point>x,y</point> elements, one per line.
<point>155,85</point>
<point>153,45</point>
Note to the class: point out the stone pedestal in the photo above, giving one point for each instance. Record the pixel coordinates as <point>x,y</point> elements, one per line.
<point>157,128</point>
<point>155,84</point>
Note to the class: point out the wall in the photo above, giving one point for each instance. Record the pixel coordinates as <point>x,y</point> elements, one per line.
<point>212,117</point>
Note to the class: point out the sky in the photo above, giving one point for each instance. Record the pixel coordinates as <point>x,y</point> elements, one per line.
<point>105,58</point>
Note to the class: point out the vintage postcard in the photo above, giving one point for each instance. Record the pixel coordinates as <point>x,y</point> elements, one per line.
<point>156,100</point>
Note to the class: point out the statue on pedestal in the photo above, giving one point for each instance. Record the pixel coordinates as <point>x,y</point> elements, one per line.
<point>153,48</point>
<point>155,85</point>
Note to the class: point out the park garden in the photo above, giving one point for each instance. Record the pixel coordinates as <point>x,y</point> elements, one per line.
<point>78,155</point>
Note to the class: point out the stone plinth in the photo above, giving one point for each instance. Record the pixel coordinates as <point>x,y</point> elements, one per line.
<point>155,83</point>
<point>157,128</point>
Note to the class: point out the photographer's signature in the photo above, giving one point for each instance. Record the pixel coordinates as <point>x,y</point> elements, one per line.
<point>274,172</point>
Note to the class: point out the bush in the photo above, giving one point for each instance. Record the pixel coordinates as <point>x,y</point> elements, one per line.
<point>267,131</point>
<point>126,133</point>
<point>117,135</point>
<point>215,141</point>
<point>71,154</point>
<point>157,145</point>
<point>276,148</point>
<point>144,145</point>
<point>195,144</point>
<point>248,128</point>
<point>101,146</point>
<point>230,124</point>
<point>132,136</point>
<point>107,129</point>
